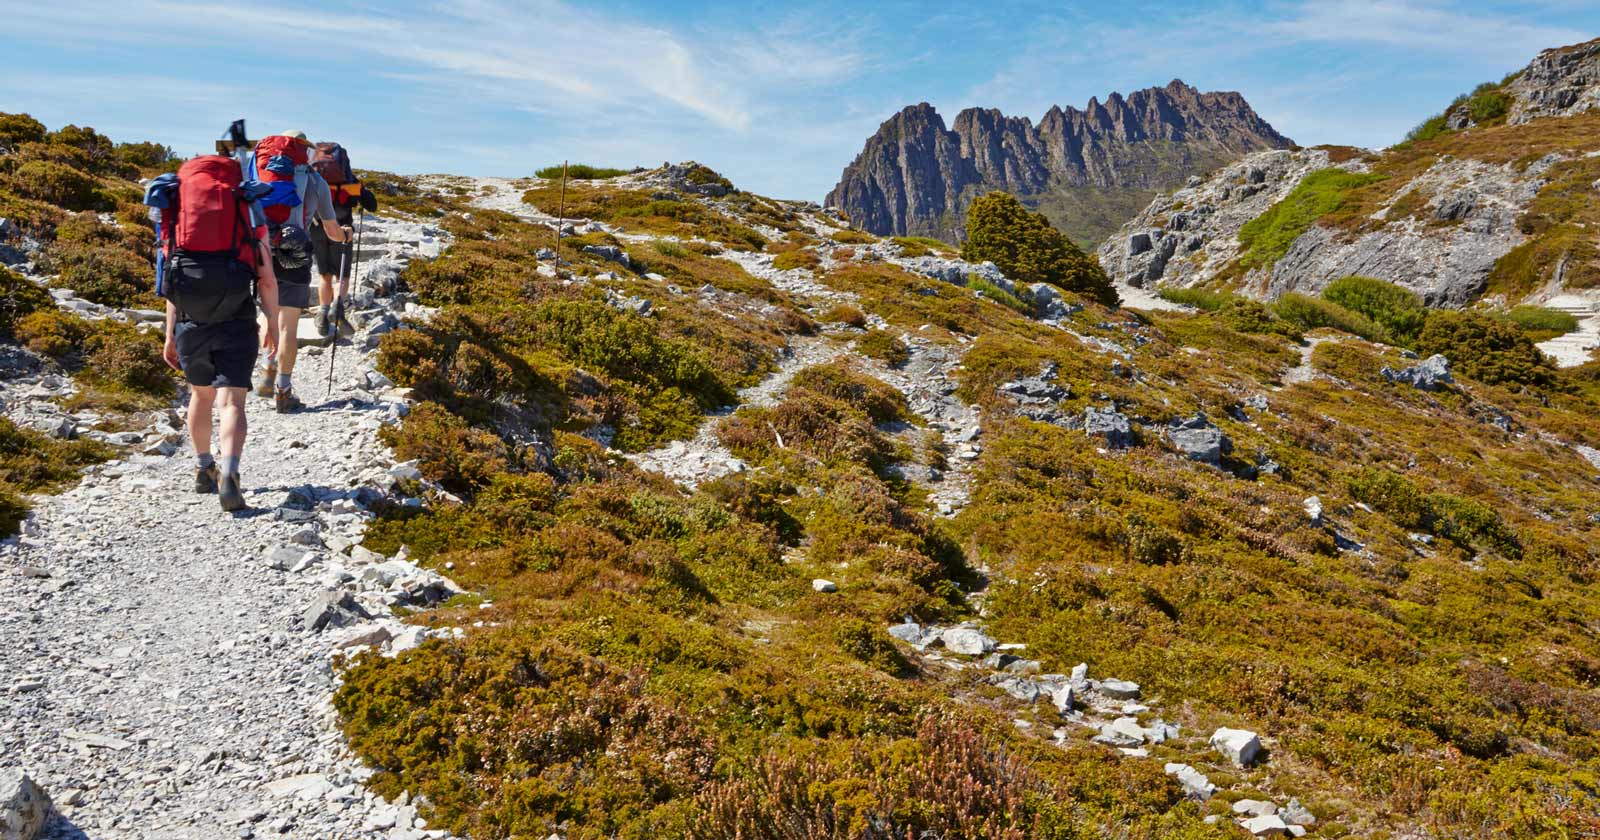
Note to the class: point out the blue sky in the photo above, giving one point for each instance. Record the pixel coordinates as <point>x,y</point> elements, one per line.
<point>779,96</point>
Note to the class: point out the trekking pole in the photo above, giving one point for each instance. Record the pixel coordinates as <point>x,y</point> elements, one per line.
<point>561,220</point>
<point>338,298</point>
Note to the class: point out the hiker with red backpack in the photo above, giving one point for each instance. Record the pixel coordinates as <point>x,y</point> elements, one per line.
<point>298,196</point>
<point>213,267</point>
<point>332,162</point>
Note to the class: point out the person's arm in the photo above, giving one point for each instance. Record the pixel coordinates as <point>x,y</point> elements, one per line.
<point>323,208</point>
<point>169,351</point>
<point>267,293</point>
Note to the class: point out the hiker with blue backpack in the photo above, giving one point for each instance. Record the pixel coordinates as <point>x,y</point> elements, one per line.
<point>214,267</point>
<point>297,196</point>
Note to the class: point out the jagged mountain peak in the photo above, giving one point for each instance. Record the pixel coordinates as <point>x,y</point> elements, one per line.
<point>916,176</point>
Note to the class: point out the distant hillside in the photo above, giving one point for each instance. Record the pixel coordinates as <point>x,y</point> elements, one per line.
<point>1493,196</point>
<point>1088,170</point>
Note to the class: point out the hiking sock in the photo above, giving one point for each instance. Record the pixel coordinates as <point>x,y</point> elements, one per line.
<point>205,460</point>
<point>285,382</point>
<point>229,464</point>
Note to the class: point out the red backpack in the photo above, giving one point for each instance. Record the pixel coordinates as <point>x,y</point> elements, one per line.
<point>275,161</point>
<point>208,215</point>
<point>207,266</point>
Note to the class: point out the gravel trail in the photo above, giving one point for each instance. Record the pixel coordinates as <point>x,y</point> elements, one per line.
<point>162,682</point>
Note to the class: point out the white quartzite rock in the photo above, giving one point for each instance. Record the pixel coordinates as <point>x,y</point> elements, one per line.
<point>24,806</point>
<point>968,641</point>
<point>1239,746</point>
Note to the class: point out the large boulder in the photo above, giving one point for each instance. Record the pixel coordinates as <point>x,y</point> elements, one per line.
<point>1198,439</point>
<point>24,806</point>
<point>1239,746</point>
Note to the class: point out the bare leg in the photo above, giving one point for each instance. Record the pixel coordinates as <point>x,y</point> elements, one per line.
<point>201,400</point>
<point>231,401</point>
<point>325,292</point>
<point>288,338</point>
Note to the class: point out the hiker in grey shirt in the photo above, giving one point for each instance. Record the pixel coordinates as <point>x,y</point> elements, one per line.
<point>292,261</point>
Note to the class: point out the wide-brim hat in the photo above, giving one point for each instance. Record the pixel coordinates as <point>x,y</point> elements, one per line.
<point>296,134</point>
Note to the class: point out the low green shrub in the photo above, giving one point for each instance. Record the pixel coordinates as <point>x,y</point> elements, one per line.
<point>51,332</point>
<point>57,184</point>
<point>16,129</point>
<point>1485,349</point>
<point>1396,309</point>
<point>1202,299</point>
<point>878,400</point>
<point>1545,322</point>
<point>853,237</point>
<point>119,356</point>
<point>110,275</point>
<point>1309,313</point>
<point>20,298</point>
<point>998,295</point>
<point>798,258</point>
<point>461,458</point>
<point>885,346</point>
<point>579,172</point>
<point>31,462</point>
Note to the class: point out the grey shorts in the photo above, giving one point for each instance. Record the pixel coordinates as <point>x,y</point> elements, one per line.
<point>329,254</point>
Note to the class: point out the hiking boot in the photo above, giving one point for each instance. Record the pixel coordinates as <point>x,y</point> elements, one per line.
<point>205,479</point>
<point>319,316</point>
<point>346,329</point>
<point>269,380</point>
<point>287,401</point>
<point>229,494</point>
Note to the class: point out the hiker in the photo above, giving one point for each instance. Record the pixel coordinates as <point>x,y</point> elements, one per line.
<point>213,266</point>
<point>332,162</point>
<point>299,195</point>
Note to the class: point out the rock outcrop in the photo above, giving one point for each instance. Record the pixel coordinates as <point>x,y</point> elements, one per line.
<point>1441,231</point>
<point>1561,82</point>
<point>1086,169</point>
<point>1187,237</point>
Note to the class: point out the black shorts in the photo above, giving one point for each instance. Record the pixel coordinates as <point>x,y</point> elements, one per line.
<point>294,286</point>
<point>218,355</point>
<point>329,253</point>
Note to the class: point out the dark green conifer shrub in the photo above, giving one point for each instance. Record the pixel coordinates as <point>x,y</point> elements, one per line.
<point>1025,246</point>
<point>1484,348</point>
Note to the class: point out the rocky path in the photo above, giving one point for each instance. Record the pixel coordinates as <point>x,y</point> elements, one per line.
<point>166,677</point>
<point>1578,346</point>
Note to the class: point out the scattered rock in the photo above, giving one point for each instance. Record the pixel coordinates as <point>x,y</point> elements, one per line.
<point>1254,807</point>
<point>1313,507</point>
<point>1239,746</point>
<point>821,585</point>
<point>1270,825</point>
<point>968,641</point>
<point>1430,375</point>
<point>1296,814</point>
<point>332,609</point>
<point>1195,784</point>
<point>1119,689</point>
<point>1109,425</point>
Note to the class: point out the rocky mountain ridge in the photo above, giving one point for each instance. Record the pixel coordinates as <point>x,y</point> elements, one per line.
<point>1080,167</point>
<point>1496,207</point>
